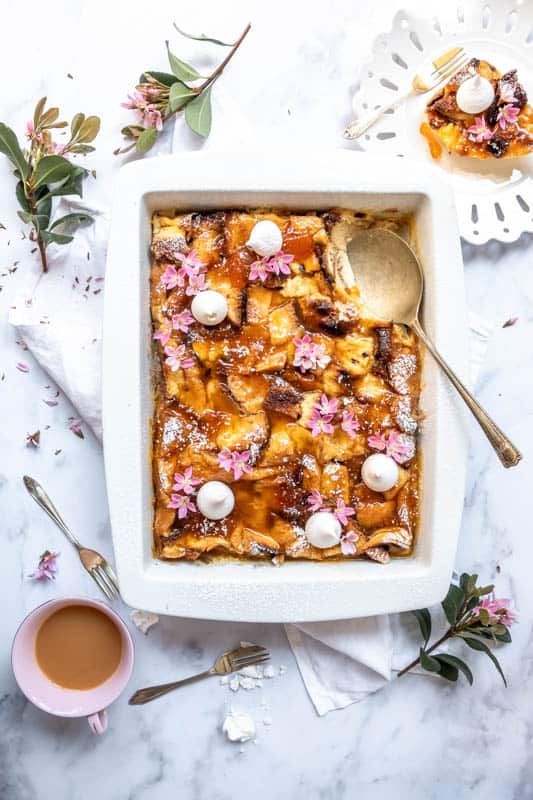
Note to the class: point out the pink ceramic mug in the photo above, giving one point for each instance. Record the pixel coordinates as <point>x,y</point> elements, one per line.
<point>54,699</point>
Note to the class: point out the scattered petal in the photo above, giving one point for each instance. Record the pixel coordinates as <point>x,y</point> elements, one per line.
<point>22,367</point>
<point>510,322</point>
<point>46,568</point>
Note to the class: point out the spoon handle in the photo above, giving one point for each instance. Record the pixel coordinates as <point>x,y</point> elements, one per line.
<point>508,454</point>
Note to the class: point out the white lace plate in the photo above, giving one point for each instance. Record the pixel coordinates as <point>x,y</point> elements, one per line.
<point>494,198</point>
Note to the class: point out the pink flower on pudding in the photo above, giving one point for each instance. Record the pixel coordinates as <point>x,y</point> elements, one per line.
<point>326,406</point>
<point>170,278</point>
<point>319,423</point>
<point>394,446</point>
<point>182,321</point>
<point>348,541</point>
<point>234,461</point>
<point>190,264</point>
<point>480,132</point>
<point>279,263</point>
<point>182,503</point>
<point>184,482</point>
<point>315,501</point>
<point>176,358</point>
<point>349,424</point>
<point>163,332</point>
<point>46,568</point>
<point>508,115</point>
<point>309,355</point>
<point>498,609</point>
<point>197,283</point>
<point>342,511</point>
<point>259,270</point>
<point>507,93</point>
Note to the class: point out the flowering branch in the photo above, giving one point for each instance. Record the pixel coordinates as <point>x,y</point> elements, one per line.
<point>44,172</point>
<point>472,619</point>
<point>160,95</point>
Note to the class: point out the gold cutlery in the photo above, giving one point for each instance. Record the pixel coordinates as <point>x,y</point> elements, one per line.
<point>231,661</point>
<point>95,564</point>
<point>391,281</point>
<point>445,66</point>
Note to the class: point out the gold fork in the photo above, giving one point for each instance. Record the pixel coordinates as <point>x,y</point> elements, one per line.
<point>228,662</point>
<point>445,66</point>
<point>94,563</point>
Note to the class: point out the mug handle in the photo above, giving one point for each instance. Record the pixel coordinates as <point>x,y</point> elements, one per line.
<point>98,722</point>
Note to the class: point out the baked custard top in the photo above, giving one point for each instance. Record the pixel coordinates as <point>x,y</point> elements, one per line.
<point>284,399</point>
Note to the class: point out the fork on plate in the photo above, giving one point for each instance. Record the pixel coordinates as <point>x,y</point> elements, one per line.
<point>445,66</point>
<point>231,661</point>
<point>95,564</point>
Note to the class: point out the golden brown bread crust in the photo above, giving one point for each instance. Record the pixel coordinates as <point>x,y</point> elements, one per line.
<point>243,392</point>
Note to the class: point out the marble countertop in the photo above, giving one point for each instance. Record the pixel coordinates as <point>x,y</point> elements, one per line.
<point>420,739</point>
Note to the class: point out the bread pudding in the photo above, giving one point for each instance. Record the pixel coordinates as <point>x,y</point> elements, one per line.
<point>499,126</point>
<point>274,387</point>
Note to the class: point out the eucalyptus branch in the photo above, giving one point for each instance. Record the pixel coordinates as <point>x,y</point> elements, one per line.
<point>44,172</point>
<point>160,95</point>
<point>474,615</point>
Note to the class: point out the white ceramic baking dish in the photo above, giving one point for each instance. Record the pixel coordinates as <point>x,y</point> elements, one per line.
<point>297,591</point>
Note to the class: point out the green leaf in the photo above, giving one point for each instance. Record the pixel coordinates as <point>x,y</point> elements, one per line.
<point>72,221</point>
<point>21,197</point>
<point>424,621</point>
<point>447,671</point>
<point>88,129</point>
<point>428,662</point>
<point>452,603</point>
<point>55,238</point>
<point>179,94</point>
<point>182,71</point>
<point>75,125</point>
<point>51,169</point>
<point>10,147</point>
<point>49,117</point>
<point>146,140</point>
<point>39,108</point>
<point>457,664</point>
<point>203,38</point>
<point>82,148</point>
<point>481,590</point>
<point>166,78</point>
<point>198,114</point>
<point>72,185</point>
<point>477,644</point>
<point>40,221</point>
<point>44,208</point>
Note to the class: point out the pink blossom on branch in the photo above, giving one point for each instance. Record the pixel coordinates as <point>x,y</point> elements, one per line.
<point>498,609</point>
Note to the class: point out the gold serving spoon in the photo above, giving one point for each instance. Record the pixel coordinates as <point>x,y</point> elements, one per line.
<point>391,281</point>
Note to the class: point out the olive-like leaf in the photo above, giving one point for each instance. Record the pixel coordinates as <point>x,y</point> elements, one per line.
<point>424,621</point>
<point>44,208</point>
<point>89,129</point>
<point>10,147</point>
<point>179,94</point>
<point>39,108</point>
<point>82,149</point>
<point>75,125</point>
<point>456,664</point>
<point>198,114</point>
<point>56,238</point>
<point>477,644</point>
<point>72,185</point>
<point>40,221</point>
<point>48,117</point>
<point>146,140</point>
<point>203,38</point>
<point>428,662</point>
<point>21,197</point>
<point>72,221</point>
<point>182,71</point>
<point>452,603</point>
<point>165,78</point>
<point>51,169</point>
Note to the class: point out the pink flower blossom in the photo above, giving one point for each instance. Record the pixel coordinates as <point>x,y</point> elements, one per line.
<point>170,278</point>
<point>184,482</point>
<point>348,541</point>
<point>75,427</point>
<point>59,150</point>
<point>182,503</point>
<point>315,501</point>
<point>190,265</point>
<point>480,132</point>
<point>499,610</point>
<point>349,424</point>
<point>46,568</point>
<point>146,112</point>
<point>176,358</point>
<point>30,128</point>
<point>342,511</point>
<point>134,101</point>
<point>235,462</point>
<point>259,269</point>
<point>279,263</point>
<point>507,93</point>
<point>393,445</point>
<point>163,332</point>
<point>508,115</point>
<point>327,406</point>
<point>182,321</point>
<point>197,283</point>
<point>319,423</point>
<point>309,355</point>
